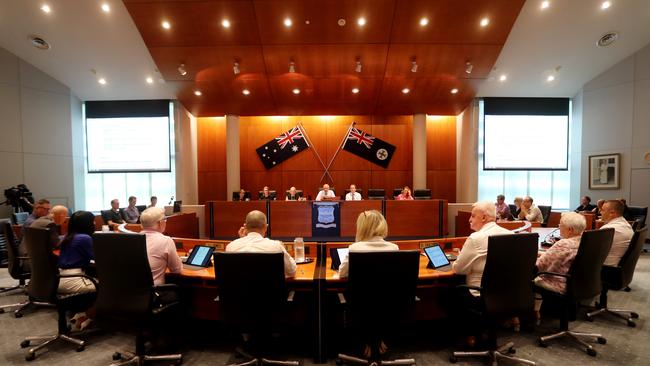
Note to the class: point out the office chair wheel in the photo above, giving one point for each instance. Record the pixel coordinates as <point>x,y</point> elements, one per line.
<point>512,350</point>
<point>339,362</point>
<point>18,315</point>
<point>589,318</point>
<point>631,324</point>
<point>117,356</point>
<point>81,348</point>
<point>453,359</point>
<point>601,340</point>
<point>542,343</point>
<point>634,315</point>
<point>31,356</point>
<point>591,352</point>
<point>627,289</point>
<point>24,344</point>
<point>2,311</point>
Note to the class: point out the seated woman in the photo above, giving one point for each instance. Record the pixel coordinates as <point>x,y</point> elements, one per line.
<point>241,196</point>
<point>560,256</point>
<point>292,195</point>
<point>405,195</point>
<point>74,259</point>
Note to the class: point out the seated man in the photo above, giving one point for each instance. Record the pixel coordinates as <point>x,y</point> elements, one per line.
<point>252,240</point>
<point>131,213</point>
<point>353,195</point>
<point>471,260</point>
<point>530,212</point>
<point>292,195</point>
<point>241,196</point>
<point>612,215</point>
<point>585,205</point>
<point>154,202</point>
<point>41,208</point>
<point>161,249</point>
<point>599,207</point>
<point>52,221</point>
<point>266,194</point>
<point>503,210</point>
<point>114,218</point>
<point>325,194</point>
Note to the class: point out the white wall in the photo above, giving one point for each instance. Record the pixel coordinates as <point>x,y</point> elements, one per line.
<point>616,119</point>
<point>37,114</point>
<point>186,155</point>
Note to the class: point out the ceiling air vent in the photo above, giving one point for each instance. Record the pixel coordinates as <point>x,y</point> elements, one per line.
<point>607,39</point>
<point>39,43</point>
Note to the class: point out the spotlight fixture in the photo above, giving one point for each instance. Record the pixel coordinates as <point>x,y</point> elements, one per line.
<point>550,78</point>
<point>503,77</point>
<point>605,5</point>
<point>101,81</point>
<point>197,93</point>
<point>246,92</point>
<point>292,67</point>
<point>296,91</point>
<point>149,80</point>
<point>106,8</point>
<point>414,65</point>
<point>225,23</point>
<point>544,5</point>
<point>235,68</point>
<point>165,24</point>
<point>468,67</point>
<point>182,70</point>
<point>46,8</point>
<point>485,22</point>
<point>355,90</point>
<point>454,91</point>
<point>424,22</point>
<point>359,66</point>
<point>361,21</point>
<point>406,90</point>
<point>287,22</point>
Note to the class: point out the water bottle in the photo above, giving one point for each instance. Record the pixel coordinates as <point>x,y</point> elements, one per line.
<point>299,250</point>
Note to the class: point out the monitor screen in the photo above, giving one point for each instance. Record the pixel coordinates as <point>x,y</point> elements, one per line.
<point>436,256</point>
<point>177,206</point>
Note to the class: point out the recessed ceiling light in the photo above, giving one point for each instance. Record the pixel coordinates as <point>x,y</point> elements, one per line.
<point>197,93</point>
<point>550,78</point>
<point>101,81</point>
<point>503,77</point>
<point>361,21</point>
<point>424,22</point>
<point>106,8</point>
<point>246,92</point>
<point>454,91</point>
<point>605,5</point>
<point>149,80</point>
<point>355,90</point>
<point>287,22</point>
<point>485,22</point>
<point>296,91</point>
<point>544,5</point>
<point>166,24</point>
<point>46,8</point>
<point>406,90</point>
<point>225,23</point>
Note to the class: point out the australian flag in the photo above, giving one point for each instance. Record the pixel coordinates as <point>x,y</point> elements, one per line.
<point>369,147</point>
<point>282,147</point>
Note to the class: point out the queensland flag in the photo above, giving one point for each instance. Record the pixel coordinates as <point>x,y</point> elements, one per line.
<point>282,147</point>
<point>369,147</point>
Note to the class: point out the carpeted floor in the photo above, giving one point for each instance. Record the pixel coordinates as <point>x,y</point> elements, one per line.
<point>428,344</point>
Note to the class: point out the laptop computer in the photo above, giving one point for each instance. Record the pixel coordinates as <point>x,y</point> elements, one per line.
<point>338,255</point>
<point>200,258</point>
<point>437,258</point>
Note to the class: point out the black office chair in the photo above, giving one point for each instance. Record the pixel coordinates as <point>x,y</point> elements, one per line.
<point>379,283</point>
<point>397,192</point>
<point>376,194</point>
<point>298,193</point>
<point>513,211</point>
<point>127,298</point>
<point>582,283</point>
<point>252,297</point>
<point>635,213</point>
<point>43,286</point>
<point>546,213</point>
<point>272,195</point>
<point>506,289</point>
<point>235,195</point>
<point>422,194</point>
<point>619,277</point>
<point>141,208</point>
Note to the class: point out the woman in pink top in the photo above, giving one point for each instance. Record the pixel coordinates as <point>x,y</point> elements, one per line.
<point>405,195</point>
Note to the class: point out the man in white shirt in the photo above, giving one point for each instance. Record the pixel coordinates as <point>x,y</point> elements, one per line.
<point>161,249</point>
<point>252,240</point>
<point>530,212</point>
<point>325,193</point>
<point>471,260</point>
<point>353,195</point>
<point>612,215</point>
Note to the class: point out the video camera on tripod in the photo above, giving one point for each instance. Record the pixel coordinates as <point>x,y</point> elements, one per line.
<point>20,198</point>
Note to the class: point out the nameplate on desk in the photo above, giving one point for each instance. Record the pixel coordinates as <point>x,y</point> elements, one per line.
<point>216,246</point>
<point>426,244</point>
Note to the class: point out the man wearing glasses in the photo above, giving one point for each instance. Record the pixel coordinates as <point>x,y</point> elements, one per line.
<point>41,208</point>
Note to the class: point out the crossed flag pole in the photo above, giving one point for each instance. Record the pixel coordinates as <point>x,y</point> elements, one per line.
<point>304,132</point>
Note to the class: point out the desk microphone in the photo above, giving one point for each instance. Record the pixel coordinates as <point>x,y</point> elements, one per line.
<point>171,200</point>
<point>550,236</point>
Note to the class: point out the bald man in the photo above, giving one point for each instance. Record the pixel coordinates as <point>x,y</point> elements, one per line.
<point>252,240</point>
<point>52,221</point>
<point>325,194</point>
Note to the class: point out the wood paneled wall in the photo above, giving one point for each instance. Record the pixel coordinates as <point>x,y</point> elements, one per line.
<point>304,171</point>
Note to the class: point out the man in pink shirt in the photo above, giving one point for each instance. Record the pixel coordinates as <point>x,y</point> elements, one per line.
<point>161,249</point>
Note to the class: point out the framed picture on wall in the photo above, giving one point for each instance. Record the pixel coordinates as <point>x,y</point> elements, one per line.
<point>604,171</point>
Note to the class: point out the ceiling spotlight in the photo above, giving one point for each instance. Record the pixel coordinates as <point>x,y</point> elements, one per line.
<point>235,68</point>
<point>406,90</point>
<point>182,70</point>
<point>46,8</point>
<point>359,66</point>
<point>225,23</point>
<point>414,66</point>
<point>361,21</point>
<point>101,81</point>
<point>197,93</point>
<point>292,66</point>
<point>544,5</point>
<point>246,92</point>
<point>149,80</point>
<point>355,90</point>
<point>106,8</point>
<point>605,5</point>
<point>485,22</point>
<point>468,67</point>
<point>503,77</point>
<point>166,24</point>
<point>296,91</point>
<point>424,22</point>
<point>550,78</point>
<point>287,22</point>
<point>454,91</point>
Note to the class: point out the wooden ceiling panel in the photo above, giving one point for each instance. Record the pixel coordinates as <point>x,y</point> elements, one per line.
<point>195,23</point>
<point>453,21</point>
<point>316,21</point>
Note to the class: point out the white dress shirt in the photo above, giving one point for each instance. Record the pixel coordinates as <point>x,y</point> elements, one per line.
<point>256,243</point>
<point>353,196</point>
<point>162,254</point>
<point>622,234</point>
<point>321,194</point>
<point>374,244</point>
<point>534,214</point>
<point>471,260</point>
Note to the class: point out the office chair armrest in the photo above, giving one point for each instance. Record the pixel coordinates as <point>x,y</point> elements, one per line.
<point>554,274</point>
<point>166,286</point>
<point>162,308</point>
<point>342,299</point>
<point>470,287</point>
<point>22,258</point>
<point>94,281</point>
<point>291,295</point>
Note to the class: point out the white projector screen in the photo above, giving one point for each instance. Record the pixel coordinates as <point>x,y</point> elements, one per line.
<point>526,142</point>
<point>131,144</point>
